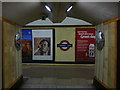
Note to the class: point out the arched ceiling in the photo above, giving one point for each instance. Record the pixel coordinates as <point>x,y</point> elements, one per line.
<point>92,12</point>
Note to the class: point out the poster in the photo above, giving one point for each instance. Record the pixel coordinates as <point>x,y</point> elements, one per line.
<point>42,44</point>
<point>26,44</point>
<point>85,45</point>
<point>65,44</point>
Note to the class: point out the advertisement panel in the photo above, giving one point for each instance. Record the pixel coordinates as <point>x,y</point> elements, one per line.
<point>26,44</point>
<point>42,44</point>
<point>85,45</point>
<point>65,44</point>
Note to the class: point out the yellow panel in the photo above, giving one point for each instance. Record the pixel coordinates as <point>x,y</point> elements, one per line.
<point>101,58</point>
<point>105,69</point>
<point>11,55</point>
<point>98,58</point>
<point>105,62</point>
<point>8,55</point>
<point>69,35</point>
<point>111,55</point>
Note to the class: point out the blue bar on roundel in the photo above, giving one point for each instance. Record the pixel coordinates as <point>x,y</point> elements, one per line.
<point>64,45</point>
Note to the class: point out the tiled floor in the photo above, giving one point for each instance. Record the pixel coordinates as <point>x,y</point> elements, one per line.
<point>67,77</point>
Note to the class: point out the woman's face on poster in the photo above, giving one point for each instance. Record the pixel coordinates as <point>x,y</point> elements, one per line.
<point>28,45</point>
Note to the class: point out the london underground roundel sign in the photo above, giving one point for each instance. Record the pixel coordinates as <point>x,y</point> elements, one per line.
<point>64,45</point>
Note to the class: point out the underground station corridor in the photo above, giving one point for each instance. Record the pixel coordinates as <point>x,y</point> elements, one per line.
<point>59,45</point>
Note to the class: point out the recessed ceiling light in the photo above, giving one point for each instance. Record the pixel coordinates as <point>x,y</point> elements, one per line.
<point>69,8</point>
<point>48,8</point>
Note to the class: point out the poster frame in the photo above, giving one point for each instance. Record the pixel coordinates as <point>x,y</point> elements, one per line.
<point>52,56</point>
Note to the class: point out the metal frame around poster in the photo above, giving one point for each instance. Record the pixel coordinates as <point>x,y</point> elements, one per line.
<point>42,43</point>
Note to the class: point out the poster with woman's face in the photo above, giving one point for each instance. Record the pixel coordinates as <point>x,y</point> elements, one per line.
<point>42,44</point>
<point>26,44</point>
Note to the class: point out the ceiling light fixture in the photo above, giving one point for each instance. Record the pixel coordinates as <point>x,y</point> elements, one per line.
<point>48,8</point>
<point>69,8</point>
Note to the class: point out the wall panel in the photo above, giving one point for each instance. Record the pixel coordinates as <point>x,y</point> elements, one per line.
<point>0,54</point>
<point>106,59</point>
<point>61,33</point>
<point>101,57</point>
<point>12,57</point>
<point>105,63</point>
<point>98,56</point>
<point>111,47</point>
<point>69,35</point>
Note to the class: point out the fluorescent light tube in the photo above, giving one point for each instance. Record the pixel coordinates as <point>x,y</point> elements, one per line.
<point>47,8</point>
<point>69,8</point>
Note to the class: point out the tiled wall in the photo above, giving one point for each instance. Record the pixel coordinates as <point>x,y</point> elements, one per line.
<point>105,59</point>
<point>12,58</point>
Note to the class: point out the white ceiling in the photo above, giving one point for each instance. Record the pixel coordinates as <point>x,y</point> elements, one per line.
<point>92,12</point>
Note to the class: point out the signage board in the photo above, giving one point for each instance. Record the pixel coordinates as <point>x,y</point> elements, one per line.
<point>85,45</point>
<point>42,42</point>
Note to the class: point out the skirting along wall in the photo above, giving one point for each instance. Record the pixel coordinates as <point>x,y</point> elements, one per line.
<point>12,62</point>
<point>105,62</point>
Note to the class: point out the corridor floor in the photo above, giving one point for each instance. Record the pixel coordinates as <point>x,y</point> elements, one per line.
<point>37,76</point>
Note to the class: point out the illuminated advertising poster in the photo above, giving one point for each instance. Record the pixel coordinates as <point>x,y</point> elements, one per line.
<point>26,44</point>
<point>85,45</point>
<point>42,44</point>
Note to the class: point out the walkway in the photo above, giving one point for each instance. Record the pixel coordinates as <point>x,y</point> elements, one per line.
<point>37,76</point>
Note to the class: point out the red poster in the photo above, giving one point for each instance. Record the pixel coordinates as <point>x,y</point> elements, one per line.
<point>85,45</point>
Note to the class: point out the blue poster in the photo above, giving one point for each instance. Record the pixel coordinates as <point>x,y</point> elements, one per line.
<point>26,44</point>
<point>27,34</point>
